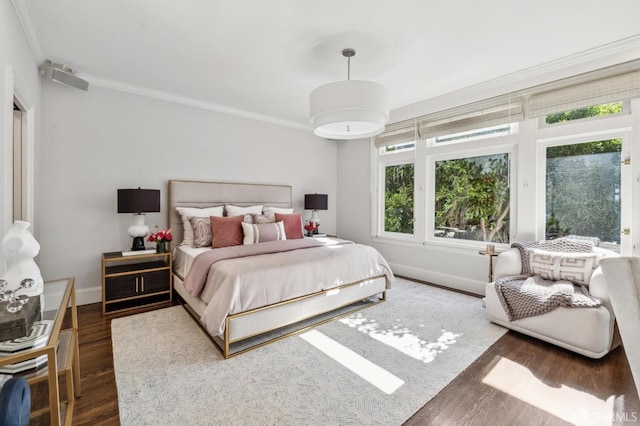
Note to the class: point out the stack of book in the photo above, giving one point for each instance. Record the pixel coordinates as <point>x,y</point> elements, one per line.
<point>37,338</point>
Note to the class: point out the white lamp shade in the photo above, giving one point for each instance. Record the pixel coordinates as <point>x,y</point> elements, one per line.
<point>350,109</point>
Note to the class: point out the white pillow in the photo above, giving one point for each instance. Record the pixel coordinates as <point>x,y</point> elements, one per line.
<point>575,267</point>
<point>237,210</point>
<point>260,233</point>
<point>270,212</point>
<point>187,212</point>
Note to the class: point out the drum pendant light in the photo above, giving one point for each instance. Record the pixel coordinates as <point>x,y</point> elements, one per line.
<point>350,109</point>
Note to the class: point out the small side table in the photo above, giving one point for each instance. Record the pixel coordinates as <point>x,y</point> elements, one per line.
<point>491,255</point>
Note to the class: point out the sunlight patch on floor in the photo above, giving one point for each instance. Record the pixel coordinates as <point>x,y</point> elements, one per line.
<point>402,338</point>
<point>566,403</point>
<point>372,373</point>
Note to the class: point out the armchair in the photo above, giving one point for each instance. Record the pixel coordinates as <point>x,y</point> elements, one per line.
<point>587,331</point>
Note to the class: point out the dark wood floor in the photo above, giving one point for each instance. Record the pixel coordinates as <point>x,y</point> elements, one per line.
<point>518,381</point>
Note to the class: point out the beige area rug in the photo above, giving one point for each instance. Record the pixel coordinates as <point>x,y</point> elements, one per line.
<point>375,367</point>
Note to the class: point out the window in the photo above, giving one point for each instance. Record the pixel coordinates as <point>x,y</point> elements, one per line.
<point>583,191</point>
<point>472,198</point>
<point>398,198</point>
<point>398,147</point>
<point>474,134</point>
<point>592,111</point>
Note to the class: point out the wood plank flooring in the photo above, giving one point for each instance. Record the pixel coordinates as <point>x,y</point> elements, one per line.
<point>493,390</point>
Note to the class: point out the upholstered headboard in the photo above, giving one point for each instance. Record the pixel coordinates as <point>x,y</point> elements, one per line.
<point>186,193</point>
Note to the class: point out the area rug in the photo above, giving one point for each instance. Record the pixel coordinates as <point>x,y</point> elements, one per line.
<point>375,367</point>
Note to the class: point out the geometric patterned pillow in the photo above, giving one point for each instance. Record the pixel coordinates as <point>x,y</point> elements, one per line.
<point>575,267</point>
<point>202,235</point>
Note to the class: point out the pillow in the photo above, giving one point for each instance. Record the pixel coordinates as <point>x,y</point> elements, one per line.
<point>232,210</point>
<point>187,212</point>
<point>202,235</point>
<point>260,233</point>
<point>227,231</point>
<point>575,267</point>
<point>259,218</point>
<point>270,212</point>
<point>292,224</point>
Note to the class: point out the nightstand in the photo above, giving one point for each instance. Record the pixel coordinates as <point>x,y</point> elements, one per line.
<point>134,281</point>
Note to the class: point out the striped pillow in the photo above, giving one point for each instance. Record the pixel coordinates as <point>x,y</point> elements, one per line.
<point>262,232</point>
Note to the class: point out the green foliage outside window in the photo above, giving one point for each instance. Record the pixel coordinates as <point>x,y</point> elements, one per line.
<point>398,198</point>
<point>592,111</point>
<point>472,198</point>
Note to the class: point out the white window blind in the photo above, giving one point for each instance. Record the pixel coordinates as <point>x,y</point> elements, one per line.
<point>602,91</point>
<point>613,84</point>
<point>397,133</point>
<point>476,116</point>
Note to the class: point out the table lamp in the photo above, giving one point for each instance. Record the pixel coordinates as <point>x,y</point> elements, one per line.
<point>138,201</point>
<point>315,202</point>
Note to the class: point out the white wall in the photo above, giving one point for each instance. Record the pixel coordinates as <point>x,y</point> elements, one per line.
<point>98,141</point>
<point>18,75</point>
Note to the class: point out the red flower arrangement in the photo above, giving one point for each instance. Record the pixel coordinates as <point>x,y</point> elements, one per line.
<point>310,227</point>
<point>161,236</point>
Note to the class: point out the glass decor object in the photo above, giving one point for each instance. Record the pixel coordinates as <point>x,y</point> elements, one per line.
<point>16,301</point>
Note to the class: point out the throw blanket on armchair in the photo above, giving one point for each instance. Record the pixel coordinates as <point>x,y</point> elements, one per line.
<point>527,295</point>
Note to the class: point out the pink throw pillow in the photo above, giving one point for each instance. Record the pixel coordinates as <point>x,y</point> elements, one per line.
<point>227,231</point>
<point>292,224</point>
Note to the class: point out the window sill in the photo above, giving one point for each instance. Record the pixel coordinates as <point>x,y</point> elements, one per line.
<point>441,244</point>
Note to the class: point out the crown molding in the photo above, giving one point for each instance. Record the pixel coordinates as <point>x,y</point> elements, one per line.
<point>184,100</point>
<point>615,53</point>
<point>29,30</point>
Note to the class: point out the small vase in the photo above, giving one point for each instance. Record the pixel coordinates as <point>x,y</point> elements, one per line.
<point>161,247</point>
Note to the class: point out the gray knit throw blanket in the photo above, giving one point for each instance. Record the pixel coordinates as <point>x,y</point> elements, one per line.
<point>528,295</point>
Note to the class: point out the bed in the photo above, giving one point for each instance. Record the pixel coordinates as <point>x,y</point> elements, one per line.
<point>247,296</point>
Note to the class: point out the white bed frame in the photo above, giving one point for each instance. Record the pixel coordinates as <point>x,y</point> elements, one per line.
<point>310,310</point>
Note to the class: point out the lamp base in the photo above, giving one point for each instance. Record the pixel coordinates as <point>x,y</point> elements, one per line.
<point>138,244</point>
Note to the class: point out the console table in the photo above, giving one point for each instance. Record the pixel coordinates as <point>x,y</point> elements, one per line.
<point>61,353</point>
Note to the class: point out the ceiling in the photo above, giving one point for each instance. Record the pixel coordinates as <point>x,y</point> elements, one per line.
<point>263,58</point>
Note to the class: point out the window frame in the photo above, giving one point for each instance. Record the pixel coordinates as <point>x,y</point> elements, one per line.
<point>499,146</point>
<point>588,130</point>
<point>626,111</point>
<point>423,158</point>
<point>384,160</point>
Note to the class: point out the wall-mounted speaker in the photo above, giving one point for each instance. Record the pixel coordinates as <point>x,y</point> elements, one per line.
<point>64,75</point>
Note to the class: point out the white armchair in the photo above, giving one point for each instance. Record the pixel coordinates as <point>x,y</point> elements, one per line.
<point>587,331</point>
<point>622,276</point>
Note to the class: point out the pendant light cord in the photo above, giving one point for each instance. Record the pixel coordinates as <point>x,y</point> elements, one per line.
<point>348,53</point>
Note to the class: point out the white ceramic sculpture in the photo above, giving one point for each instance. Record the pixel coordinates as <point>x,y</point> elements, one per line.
<point>19,247</point>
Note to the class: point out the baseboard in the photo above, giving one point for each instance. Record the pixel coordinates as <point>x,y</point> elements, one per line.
<point>439,278</point>
<point>84,296</point>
